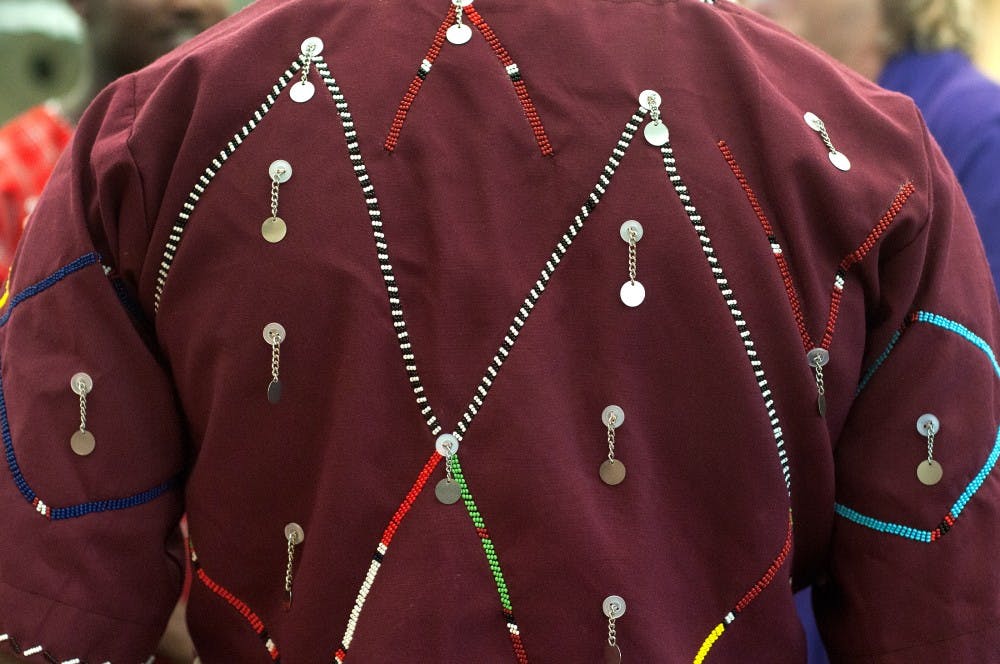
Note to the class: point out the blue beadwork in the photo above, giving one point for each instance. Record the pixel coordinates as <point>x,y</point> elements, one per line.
<point>907,532</point>
<point>73,511</point>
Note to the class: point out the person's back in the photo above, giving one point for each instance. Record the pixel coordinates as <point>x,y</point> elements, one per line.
<point>434,245</point>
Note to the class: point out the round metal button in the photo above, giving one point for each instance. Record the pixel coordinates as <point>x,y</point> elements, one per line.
<point>446,444</point>
<point>274,391</point>
<point>614,606</point>
<point>612,472</point>
<point>633,293</point>
<point>813,121</point>
<point>656,133</point>
<point>612,654</point>
<point>459,33</point>
<point>929,472</point>
<point>274,332</point>
<point>294,532</point>
<point>630,225</point>
<point>82,442</point>
<point>302,91</point>
<point>461,3</point>
<point>448,491</point>
<point>315,42</point>
<point>840,160</point>
<point>280,170</point>
<point>928,423</point>
<point>81,383</point>
<point>619,416</point>
<point>820,354</point>
<point>274,229</point>
<point>646,102</point>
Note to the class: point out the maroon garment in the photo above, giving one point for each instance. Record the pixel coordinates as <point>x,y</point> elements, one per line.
<point>468,282</point>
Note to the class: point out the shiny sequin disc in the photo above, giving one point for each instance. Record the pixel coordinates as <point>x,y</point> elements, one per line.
<point>302,91</point>
<point>656,133</point>
<point>459,33</point>
<point>612,472</point>
<point>274,391</point>
<point>633,293</point>
<point>612,654</point>
<point>82,442</point>
<point>840,160</point>
<point>930,472</point>
<point>448,491</point>
<point>274,229</point>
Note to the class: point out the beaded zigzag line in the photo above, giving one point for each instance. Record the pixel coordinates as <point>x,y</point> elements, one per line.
<point>177,232</point>
<point>946,524</point>
<point>40,506</point>
<point>256,624</point>
<point>409,358</point>
<point>849,261</point>
<point>508,64</point>
<point>748,598</point>
<point>743,329</point>
<point>40,651</point>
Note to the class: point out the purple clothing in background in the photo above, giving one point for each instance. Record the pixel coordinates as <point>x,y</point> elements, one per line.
<point>962,109</point>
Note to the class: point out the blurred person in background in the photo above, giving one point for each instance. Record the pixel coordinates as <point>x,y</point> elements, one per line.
<point>122,36</point>
<point>920,48</point>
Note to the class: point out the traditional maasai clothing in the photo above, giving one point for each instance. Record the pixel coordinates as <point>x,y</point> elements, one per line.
<point>389,315</point>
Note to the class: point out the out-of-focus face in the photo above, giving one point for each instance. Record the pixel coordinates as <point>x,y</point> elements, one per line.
<point>126,35</point>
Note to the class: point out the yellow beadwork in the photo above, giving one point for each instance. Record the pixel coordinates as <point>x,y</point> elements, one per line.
<point>709,642</point>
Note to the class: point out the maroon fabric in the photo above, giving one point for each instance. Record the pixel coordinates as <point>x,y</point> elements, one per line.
<point>472,210</point>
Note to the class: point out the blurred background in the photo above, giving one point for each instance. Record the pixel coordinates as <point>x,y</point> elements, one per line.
<point>41,52</point>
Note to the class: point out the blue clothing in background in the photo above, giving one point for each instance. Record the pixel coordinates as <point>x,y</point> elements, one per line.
<point>962,109</point>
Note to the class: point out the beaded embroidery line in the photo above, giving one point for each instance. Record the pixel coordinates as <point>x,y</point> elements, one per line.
<point>256,624</point>
<point>508,64</point>
<point>40,506</point>
<point>946,524</point>
<point>45,654</point>
<point>849,261</point>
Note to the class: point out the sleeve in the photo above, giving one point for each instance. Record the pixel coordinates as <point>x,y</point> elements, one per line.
<point>912,574</point>
<point>90,564</point>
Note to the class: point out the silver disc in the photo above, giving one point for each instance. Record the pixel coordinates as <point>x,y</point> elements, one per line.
<point>274,391</point>
<point>302,91</point>
<point>813,121</point>
<point>840,160</point>
<point>612,654</point>
<point>459,33</point>
<point>612,472</point>
<point>633,293</point>
<point>447,491</point>
<point>274,229</point>
<point>656,133</point>
<point>929,472</point>
<point>82,442</point>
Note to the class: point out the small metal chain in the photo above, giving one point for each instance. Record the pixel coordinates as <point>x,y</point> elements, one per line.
<point>612,418</point>
<point>447,462</point>
<point>83,405</point>
<point>275,185</point>
<point>654,109</point>
<point>633,237</point>
<point>612,634</point>
<point>820,386</point>
<point>309,59</point>
<point>458,13</point>
<point>292,541</point>
<point>825,135</point>
<point>930,441</point>
<point>275,354</point>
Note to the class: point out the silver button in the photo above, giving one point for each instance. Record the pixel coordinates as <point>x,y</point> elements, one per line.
<point>813,121</point>
<point>448,491</point>
<point>632,293</point>
<point>274,332</point>
<point>280,170</point>
<point>614,606</point>
<point>446,444</point>
<point>274,229</point>
<point>294,532</point>
<point>928,423</point>
<point>81,383</point>
<point>302,92</point>
<point>820,354</point>
<point>646,103</point>
<point>315,42</point>
<point>619,415</point>
<point>461,3</point>
<point>631,224</point>
<point>840,160</point>
<point>82,443</point>
<point>459,33</point>
<point>656,133</point>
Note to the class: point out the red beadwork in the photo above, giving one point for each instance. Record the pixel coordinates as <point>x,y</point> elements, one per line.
<point>771,572</point>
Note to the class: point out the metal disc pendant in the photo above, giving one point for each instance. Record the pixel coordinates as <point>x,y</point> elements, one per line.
<point>840,160</point>
<point>459,33</point>
<point>274,229</point>
<point>929,472</point>
<point>448,491</point>
<point>612,654</point>
<point>633,293</point>
<point>82,442</point>
<point>656,133</point>
<point>274,391</point>
<point>612,472</point>
<point>302,91</point>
